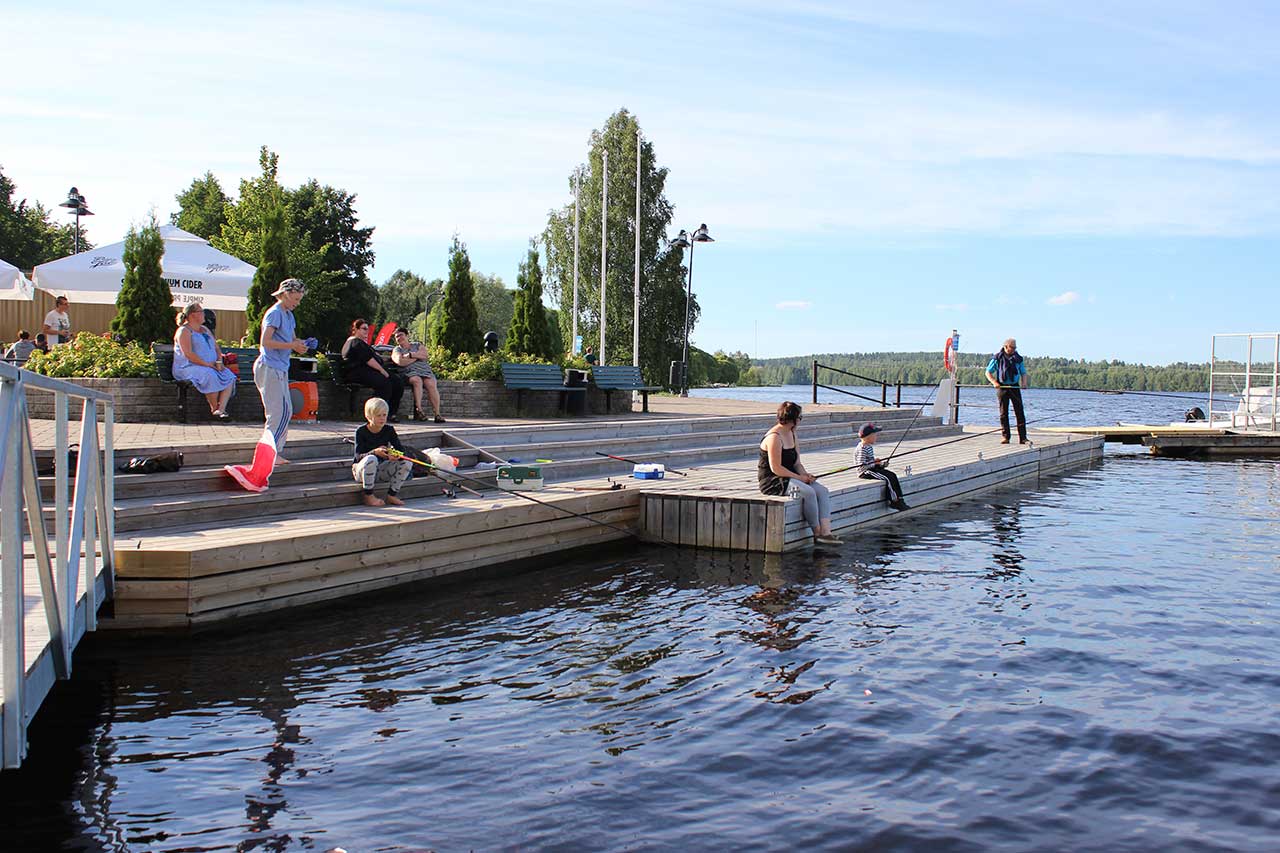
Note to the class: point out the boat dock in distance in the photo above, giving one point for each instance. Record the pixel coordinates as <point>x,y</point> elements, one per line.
<point>192,550</point>
<point>1185,441</point>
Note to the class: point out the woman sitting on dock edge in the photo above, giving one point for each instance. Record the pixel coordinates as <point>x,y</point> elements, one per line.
<point>780,472</point>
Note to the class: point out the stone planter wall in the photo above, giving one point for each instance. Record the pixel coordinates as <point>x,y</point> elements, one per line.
<point>153,401</point>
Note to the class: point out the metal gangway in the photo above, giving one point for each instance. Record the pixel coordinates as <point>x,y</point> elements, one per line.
<point>50,591</point>
<point>1256,383</point>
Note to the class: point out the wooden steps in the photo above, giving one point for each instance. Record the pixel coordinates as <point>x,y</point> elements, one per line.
<point>320,475</point>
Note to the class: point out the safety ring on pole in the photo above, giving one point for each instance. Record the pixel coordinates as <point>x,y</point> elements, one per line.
<point>949,357</point>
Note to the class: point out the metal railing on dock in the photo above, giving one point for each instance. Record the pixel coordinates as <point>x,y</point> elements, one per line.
<point>884,386</point>
<point>83,529</point>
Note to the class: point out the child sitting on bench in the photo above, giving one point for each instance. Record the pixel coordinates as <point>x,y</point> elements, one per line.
<point>372,463</point>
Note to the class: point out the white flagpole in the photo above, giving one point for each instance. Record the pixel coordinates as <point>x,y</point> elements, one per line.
<point>635,325</point>
<point>604,246</point>
<point>577,197</point>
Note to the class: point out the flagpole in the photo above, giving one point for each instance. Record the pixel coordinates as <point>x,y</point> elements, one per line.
<point>577,197</point>
<point>604,246</point>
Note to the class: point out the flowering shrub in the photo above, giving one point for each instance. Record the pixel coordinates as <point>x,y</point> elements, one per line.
<point>89,355</point>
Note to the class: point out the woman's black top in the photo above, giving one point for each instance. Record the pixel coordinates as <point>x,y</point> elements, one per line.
<point>356,353</point>
<point>771,483</point>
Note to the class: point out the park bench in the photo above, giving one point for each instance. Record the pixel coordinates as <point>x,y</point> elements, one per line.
<point>538,377</point>
<point>163,355</point>
<point>621,378</point>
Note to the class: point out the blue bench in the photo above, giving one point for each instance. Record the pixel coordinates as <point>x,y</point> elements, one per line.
<point>621,378</point>
<point>163,355</point>
<point>538,377</point>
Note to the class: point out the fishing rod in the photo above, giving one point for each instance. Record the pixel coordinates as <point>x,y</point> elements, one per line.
<point>634,462</point>
<point>520,494</point>
<point>992,431</point>
<point>961,438</point>
<point>919,411</point>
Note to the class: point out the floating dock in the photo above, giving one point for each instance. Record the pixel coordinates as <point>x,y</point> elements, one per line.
<point>1192,441</point>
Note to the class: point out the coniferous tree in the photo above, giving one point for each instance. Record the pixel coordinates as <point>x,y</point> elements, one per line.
<point>529,334</point>
<point>456,326</point>
<point>144,312</point>
<point>273,268</point>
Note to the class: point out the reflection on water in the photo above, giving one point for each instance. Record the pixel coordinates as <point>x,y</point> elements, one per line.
<point>1036,669</point>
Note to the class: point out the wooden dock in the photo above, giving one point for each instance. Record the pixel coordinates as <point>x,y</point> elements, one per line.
<point>1189,441</point>
<point>193,550</point>
<point>721,507</point>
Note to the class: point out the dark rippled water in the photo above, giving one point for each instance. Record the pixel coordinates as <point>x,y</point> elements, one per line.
<point>1086,665</point>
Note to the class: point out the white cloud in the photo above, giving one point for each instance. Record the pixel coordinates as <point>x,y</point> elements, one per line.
<point>1068,298</point>
<point>958,306</point>
<point>796,305</point>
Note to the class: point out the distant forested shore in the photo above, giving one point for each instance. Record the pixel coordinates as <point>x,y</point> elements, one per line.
<point>926,367</point>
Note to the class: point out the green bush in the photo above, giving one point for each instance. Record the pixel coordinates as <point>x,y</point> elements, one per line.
<point>89,355</point>
<point>484,367</point>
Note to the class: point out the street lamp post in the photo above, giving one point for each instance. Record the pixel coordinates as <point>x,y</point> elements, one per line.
<point>682,241</point>
<point>77,205</point>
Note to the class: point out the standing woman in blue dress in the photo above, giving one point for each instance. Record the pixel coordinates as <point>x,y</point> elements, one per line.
<point>198,359</point>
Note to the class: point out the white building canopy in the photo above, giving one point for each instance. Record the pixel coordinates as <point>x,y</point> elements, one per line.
<point>194,271</point>
<point>15,285</point>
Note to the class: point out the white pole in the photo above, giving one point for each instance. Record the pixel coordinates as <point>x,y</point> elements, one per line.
<point>577,197</point>
<point>635,325</point>
<point>604,246</point>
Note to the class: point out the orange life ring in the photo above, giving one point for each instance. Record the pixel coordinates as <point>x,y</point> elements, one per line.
<point>949,357</point>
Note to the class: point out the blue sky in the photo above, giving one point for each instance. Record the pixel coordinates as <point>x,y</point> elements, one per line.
<point>1099,180</point>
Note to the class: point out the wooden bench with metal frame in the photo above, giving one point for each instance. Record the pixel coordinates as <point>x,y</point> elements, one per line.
<point>621,378</point>
<point>538,377</point>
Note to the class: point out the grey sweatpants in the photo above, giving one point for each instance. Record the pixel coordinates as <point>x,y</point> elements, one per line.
<point>371,470</point>
<point>273,387</point>
<point>816,498</point>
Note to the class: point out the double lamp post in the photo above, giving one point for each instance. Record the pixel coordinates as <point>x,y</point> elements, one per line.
<point>79,207</point>
<point>684,240</point>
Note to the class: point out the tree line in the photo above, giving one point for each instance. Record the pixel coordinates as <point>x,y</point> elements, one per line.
<point>926,368</point>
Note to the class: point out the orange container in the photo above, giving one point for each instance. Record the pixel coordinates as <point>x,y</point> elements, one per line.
<point>306,401</point>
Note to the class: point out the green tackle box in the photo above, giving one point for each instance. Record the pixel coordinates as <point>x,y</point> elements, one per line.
<point>519,478</point>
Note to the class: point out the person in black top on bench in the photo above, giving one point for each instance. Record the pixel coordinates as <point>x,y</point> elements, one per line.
<point>372,463</point>
<point>361,366</point>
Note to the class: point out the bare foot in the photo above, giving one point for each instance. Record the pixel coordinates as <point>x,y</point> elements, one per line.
<point>374,500</point>
<point>394,501</point>
<point>280,460</point>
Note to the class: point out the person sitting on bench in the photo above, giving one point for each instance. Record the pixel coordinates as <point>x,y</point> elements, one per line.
<point>361,366</point>
<point>412,359</point>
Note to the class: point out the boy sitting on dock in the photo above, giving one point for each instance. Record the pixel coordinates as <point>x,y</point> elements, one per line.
<point>373,463</point>
<point>877,469</point>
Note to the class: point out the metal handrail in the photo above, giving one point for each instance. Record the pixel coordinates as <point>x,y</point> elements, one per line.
<point>82,528</point>
<point>884,386</point>
<point>1246,393</point>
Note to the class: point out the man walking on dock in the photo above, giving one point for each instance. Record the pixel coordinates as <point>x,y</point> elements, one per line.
<point>1008,375</point>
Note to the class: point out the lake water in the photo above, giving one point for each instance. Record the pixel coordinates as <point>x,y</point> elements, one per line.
<point>1084,665</point>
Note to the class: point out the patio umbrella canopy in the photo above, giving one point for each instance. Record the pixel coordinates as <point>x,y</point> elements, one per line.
<point>15,285</point>
<point>194,271</point>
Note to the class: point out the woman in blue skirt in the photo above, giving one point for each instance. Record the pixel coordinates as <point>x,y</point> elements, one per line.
<point>198,359</point>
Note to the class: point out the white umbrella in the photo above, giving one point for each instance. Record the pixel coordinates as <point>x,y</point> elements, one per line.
<point>15,285</point>
<point>194,271</point>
